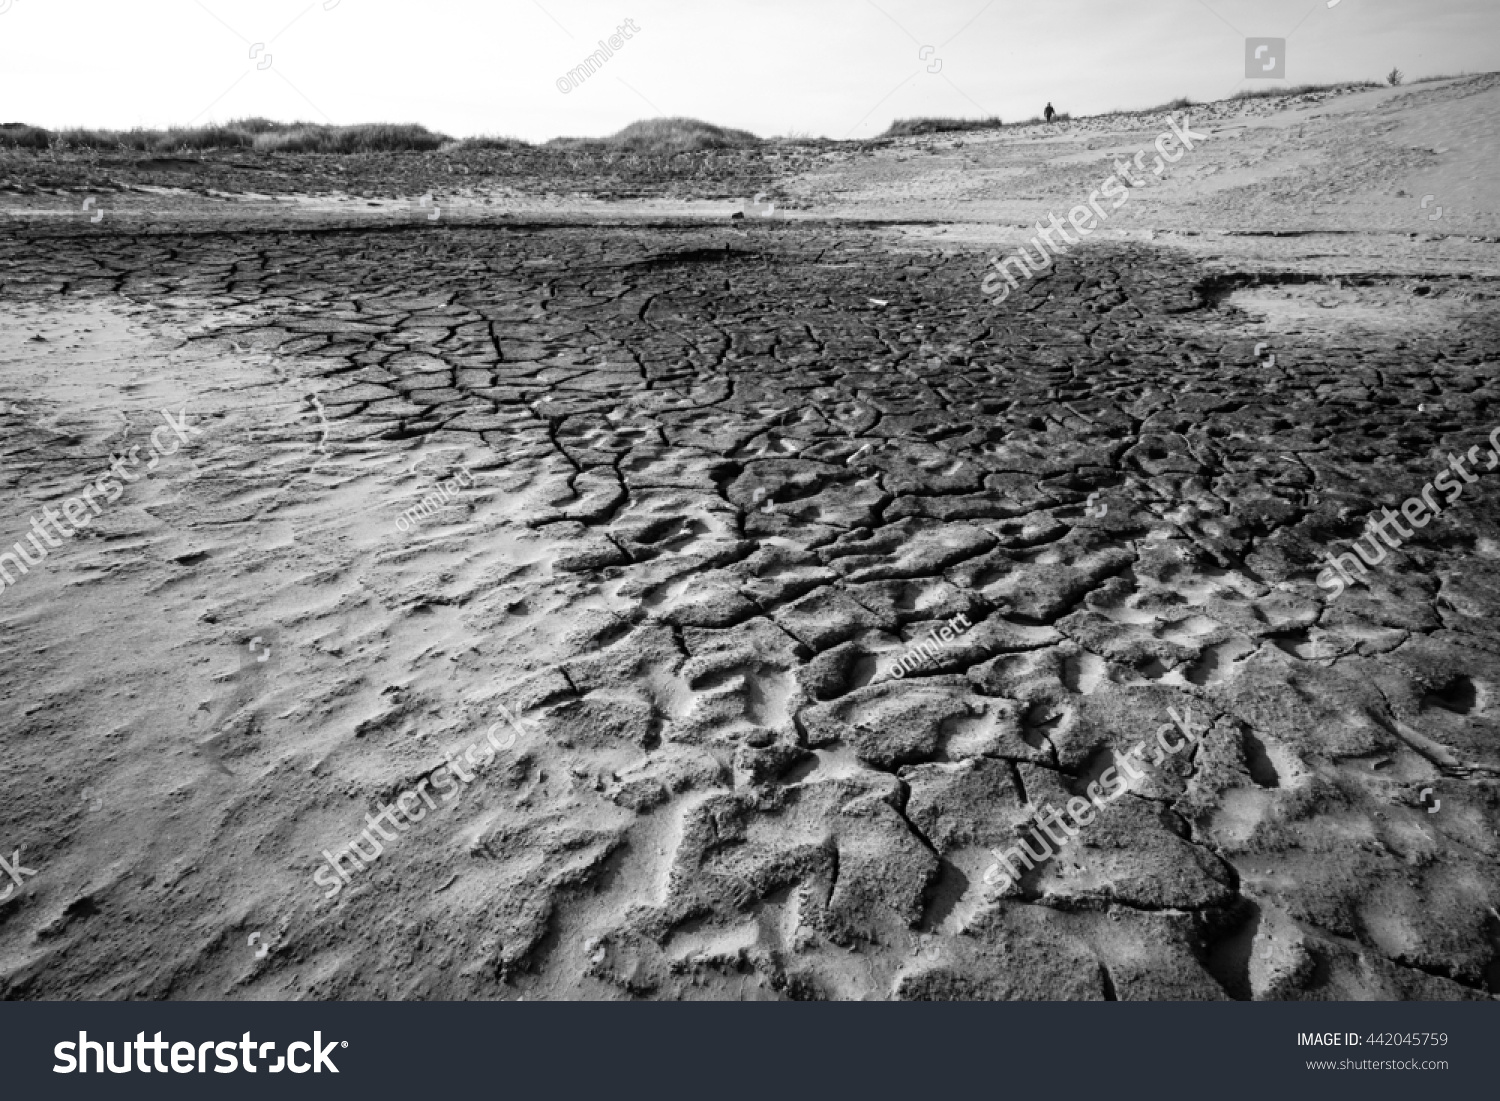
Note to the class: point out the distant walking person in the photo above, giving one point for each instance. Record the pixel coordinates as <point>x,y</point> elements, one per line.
<point>1049,112</point>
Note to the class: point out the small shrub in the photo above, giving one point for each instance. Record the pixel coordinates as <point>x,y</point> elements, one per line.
<point>18,135</point>
<point>203,138</point>
<point>79,138</point>
<point>260,126</point>
<point>1394,77</point>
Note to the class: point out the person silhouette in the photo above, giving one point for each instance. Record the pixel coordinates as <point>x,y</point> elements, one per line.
<point>1049,112</point>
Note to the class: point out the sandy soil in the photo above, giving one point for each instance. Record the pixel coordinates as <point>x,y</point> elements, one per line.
<point>721,479</point>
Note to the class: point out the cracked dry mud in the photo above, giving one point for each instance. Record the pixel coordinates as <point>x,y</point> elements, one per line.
<point>718,490</point>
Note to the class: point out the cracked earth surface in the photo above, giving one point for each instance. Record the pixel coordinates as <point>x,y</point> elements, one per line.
<point>722,482</point>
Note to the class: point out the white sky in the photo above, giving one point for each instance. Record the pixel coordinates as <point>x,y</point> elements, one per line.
<point>840,68</point>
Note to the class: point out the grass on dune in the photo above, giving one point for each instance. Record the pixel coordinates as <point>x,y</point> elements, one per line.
<point>663,137</point>
<point>1304,89</point>
<point>905,128</point>
<point>257,134</point>
<point>369,137</point>
<point>486,143</point>
<point>651,137</point>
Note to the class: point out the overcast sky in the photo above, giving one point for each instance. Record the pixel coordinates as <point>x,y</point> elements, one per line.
<point>840,68</point>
